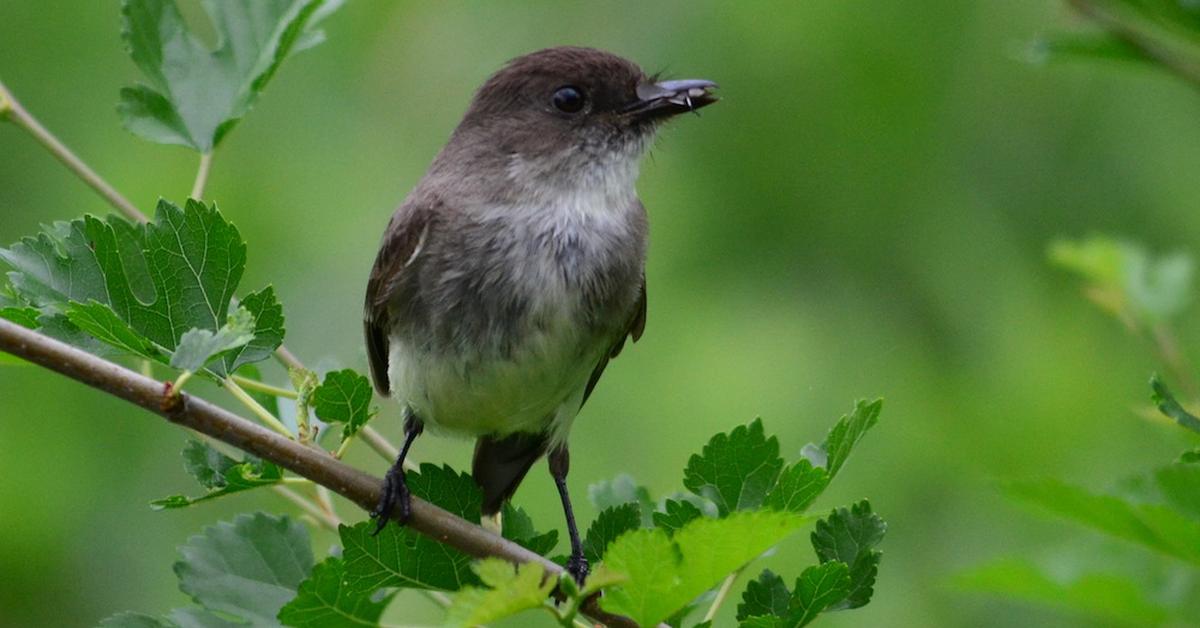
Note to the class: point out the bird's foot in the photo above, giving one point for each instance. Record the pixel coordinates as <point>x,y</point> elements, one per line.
<point>395,496</point>
<point>577,566</point>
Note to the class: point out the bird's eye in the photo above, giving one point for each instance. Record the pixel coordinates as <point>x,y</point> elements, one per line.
<point>568,99</point>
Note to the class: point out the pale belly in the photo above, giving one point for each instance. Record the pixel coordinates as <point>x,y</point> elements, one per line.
<point>538,388</point>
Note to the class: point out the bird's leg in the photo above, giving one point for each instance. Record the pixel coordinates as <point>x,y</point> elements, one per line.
<point>560,464</point>
<point>395,487</point>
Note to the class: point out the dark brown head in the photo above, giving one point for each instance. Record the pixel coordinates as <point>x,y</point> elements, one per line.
<point>563,107</point>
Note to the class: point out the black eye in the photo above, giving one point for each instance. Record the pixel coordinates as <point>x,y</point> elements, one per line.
<point>569,99</point>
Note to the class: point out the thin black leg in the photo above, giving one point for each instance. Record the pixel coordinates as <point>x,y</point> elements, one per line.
<point>395,487</point>
<point>560,464</point>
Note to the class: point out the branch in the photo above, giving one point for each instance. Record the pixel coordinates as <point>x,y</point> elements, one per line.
<point>317,465</point>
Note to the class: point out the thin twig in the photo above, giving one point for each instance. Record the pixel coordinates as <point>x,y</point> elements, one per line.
<point>11,109</point>
<point>722,593</point>
<point>1188,69</point>
<point>256,408</point>
<point>267,389</point>
<point>201,176</point>
<point>309,508</point>
<point>204,417</point>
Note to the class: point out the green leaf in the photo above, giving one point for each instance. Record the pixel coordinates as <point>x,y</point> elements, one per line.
<point>846,433</point>
<point>178,618</point>
<point>1126,280</point>
<point>324,601</point>
<point>517,526</point>
<point>610,524</point>
<point>344,397</point>
<point>248,568</point>
<point>622,490</point>
<point>735,470</point>
<point>26,317</point>
<point>1167,404</point>
<point>799,486</point>
<point>99,321</point>
<point>510,590</point>
<point>1103,596</point>
<point>675,515</point>
<point>400,557</point>
<point>220,474</point>
<point>662,574</point>
<point>1179,484</point>
<point>1155,526</point>
<point>267,333</point>
<point>765,595</point>
<point>198,347</point>
<point>159,280</point>
<point>195,95</point>
<point>818,588</point>
<point>849,536</point>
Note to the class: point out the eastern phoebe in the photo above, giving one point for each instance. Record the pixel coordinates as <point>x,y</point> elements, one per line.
<point>514,271</point>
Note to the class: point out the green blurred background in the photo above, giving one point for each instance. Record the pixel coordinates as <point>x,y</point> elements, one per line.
<point>864,214</point>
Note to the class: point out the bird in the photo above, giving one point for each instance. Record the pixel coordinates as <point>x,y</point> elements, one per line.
<point>515,270</point>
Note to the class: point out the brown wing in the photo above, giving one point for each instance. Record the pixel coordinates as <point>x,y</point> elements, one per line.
<point>399,250</point>
<point>637,325</point>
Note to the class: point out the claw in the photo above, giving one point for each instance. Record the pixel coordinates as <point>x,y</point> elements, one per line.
<point>395,494</point>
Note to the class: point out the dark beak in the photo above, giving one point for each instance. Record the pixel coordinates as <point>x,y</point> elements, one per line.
<point>667,98</point>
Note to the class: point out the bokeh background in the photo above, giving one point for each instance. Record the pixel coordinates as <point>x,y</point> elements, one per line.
<point>866,213</point>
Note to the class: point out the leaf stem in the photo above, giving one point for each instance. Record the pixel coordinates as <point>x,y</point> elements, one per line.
<point>722,593</point>
<point>257,386</point>
<point>177,385</point>
<point>11,109</point>
<point>201,176</point>
<point>1122,29</point>
<point>308,507</point>
<point>206,418</point>
<point>253,406</point>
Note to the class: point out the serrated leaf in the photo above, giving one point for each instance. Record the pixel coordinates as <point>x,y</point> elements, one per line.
<point>220,474</point>
<point>248,568</point>
<point>205,463</point>
<point>663,573</point>
<point>517,526</point>
<point>846,433</point>
<point>1103,596</point>
<point>195,95</point>
<point>1167,404</point>
<point>610,524</point>
<point>324,601</point>
<point>26,317</point>
<point>675,515</point>
<point>1155,526</point>
<point>849,535</point>
<point>159,281</point>
<point>765,595</point>
<point>198,347</point>
<point>622,489</point>
<point>344,397</point>
<point>798,487</point>
<point>99,321</point>
<point>267,333</point>
<point>510,590</point>
<point>818,588</point>
<point>735,470</point>
<point>400,557</point>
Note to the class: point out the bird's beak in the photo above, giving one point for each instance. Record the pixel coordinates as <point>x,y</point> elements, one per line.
<point>668,98</point>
